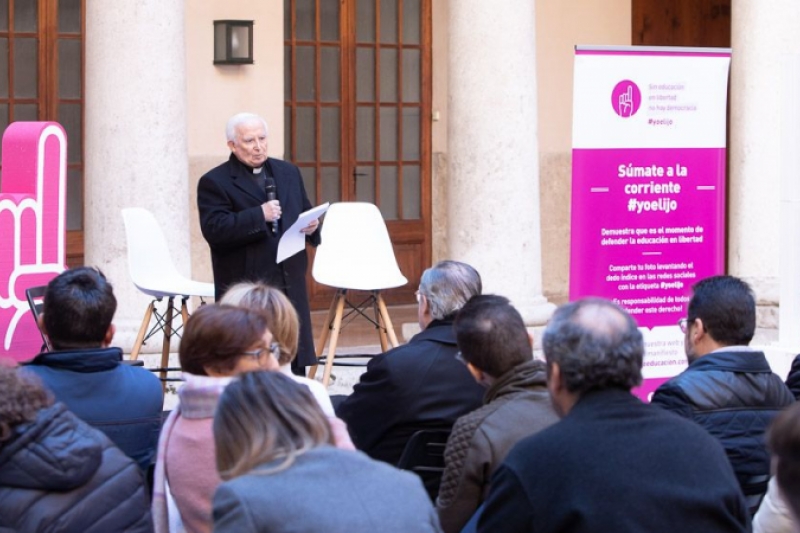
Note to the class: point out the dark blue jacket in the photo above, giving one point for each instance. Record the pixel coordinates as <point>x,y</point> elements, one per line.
<point>734,395</point>
<point>59,474</point>
<point>124,402</point>
<point>418,385</point>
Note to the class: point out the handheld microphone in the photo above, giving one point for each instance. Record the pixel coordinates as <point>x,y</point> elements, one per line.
<point>270,187</point>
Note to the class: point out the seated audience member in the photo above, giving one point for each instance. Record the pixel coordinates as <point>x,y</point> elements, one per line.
<point>496,348</point>
<point>613,463</point>
<point>87,375</point>
<point>793,379</point>
<point>419,385</point>
<point>728,388</point>
<point>282,473</point>
<point>774,515</point>
<point>285,328</point>
<point>783,440</point>
<point>59,474</point>
<point>219,342</point>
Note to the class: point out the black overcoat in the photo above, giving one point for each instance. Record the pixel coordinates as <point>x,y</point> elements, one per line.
<point>243,247</point>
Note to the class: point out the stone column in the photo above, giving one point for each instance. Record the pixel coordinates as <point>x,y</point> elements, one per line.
<point>760,38</point>
<point>135,139</point>
<point>493,188</point>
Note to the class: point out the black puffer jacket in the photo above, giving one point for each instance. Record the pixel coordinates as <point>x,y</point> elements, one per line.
<point>793,379</point>
<point>734,395</point>
<point>59,474</point>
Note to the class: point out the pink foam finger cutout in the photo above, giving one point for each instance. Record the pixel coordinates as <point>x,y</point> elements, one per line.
<point>32,226</point>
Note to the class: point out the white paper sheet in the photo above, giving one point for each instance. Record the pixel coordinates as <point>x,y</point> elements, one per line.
<point>294,240</point>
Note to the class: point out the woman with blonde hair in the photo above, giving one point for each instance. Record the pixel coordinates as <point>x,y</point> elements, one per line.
<point>285,328</point>
<point>218,343</point>
<point>273,439</point>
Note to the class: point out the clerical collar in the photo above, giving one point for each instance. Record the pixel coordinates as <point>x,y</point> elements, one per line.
<point>257,170</point>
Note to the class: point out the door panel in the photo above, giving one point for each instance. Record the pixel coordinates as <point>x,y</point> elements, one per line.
<point>358,116</point>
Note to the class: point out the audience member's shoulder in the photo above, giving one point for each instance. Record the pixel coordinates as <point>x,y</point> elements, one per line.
<point>540,446</point>
<point>140,373</point>
<point>793,379</point>
<point>396,357</point>
<point>142,378</point>
<point>677,423</point>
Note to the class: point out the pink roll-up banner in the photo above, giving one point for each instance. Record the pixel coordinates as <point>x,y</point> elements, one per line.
<point>648,186</point>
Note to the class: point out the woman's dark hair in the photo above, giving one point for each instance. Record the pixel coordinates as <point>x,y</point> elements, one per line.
<point>21,397</point>
<point>216,336</point>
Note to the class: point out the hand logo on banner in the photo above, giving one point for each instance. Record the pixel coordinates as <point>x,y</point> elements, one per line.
<point>626,103</point>
<point>626,98</point>
<point>32,226</point>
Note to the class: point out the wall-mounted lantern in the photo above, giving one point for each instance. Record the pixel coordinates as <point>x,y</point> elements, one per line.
<point>233,42</point>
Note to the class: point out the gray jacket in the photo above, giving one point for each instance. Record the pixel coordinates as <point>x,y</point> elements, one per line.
<point>326,489</point>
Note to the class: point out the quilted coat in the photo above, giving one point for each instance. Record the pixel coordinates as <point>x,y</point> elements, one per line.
<point>59,474</point>
<point>734,395</point>
<point>516,405</point>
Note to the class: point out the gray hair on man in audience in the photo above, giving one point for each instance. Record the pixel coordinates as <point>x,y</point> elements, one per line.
<point>447,286</point>
<point>591,344</point>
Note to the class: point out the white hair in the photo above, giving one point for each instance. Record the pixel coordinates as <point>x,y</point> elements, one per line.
<point>242,118</point>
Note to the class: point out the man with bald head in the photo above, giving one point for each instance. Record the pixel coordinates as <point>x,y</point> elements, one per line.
<point>245,206</point>
<point>612,463</point>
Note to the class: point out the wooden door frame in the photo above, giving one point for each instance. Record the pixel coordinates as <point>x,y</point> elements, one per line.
<point>412,240</point>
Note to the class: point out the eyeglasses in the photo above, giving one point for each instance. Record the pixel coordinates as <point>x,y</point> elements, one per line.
<point>460,358</point>
<point>683,323</point>
<point>274,349</point>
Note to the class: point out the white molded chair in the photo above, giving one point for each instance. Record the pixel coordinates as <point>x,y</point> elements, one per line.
<point>153,272</point>
<point>355,254</point>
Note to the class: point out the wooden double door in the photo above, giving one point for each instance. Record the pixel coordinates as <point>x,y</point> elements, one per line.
<point>358,118</point>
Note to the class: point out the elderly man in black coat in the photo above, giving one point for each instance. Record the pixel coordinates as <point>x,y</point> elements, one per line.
<point>420,385</point>
<point>243,223</point>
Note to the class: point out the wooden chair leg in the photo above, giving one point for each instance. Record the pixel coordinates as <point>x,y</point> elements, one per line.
<point>166,342</point>
<point>137,346</point>
<point>184,311</point>
<point>379,321</point>
<point>387,322</point>
<point>335,330</point>
<point>323,335</point>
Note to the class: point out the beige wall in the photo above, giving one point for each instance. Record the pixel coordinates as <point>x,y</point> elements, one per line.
<point>560,26</point>
<point>214,93</point>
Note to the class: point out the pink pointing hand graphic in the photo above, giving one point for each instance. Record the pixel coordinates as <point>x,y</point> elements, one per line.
<point>626,102</point>
<point>32,226</point>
